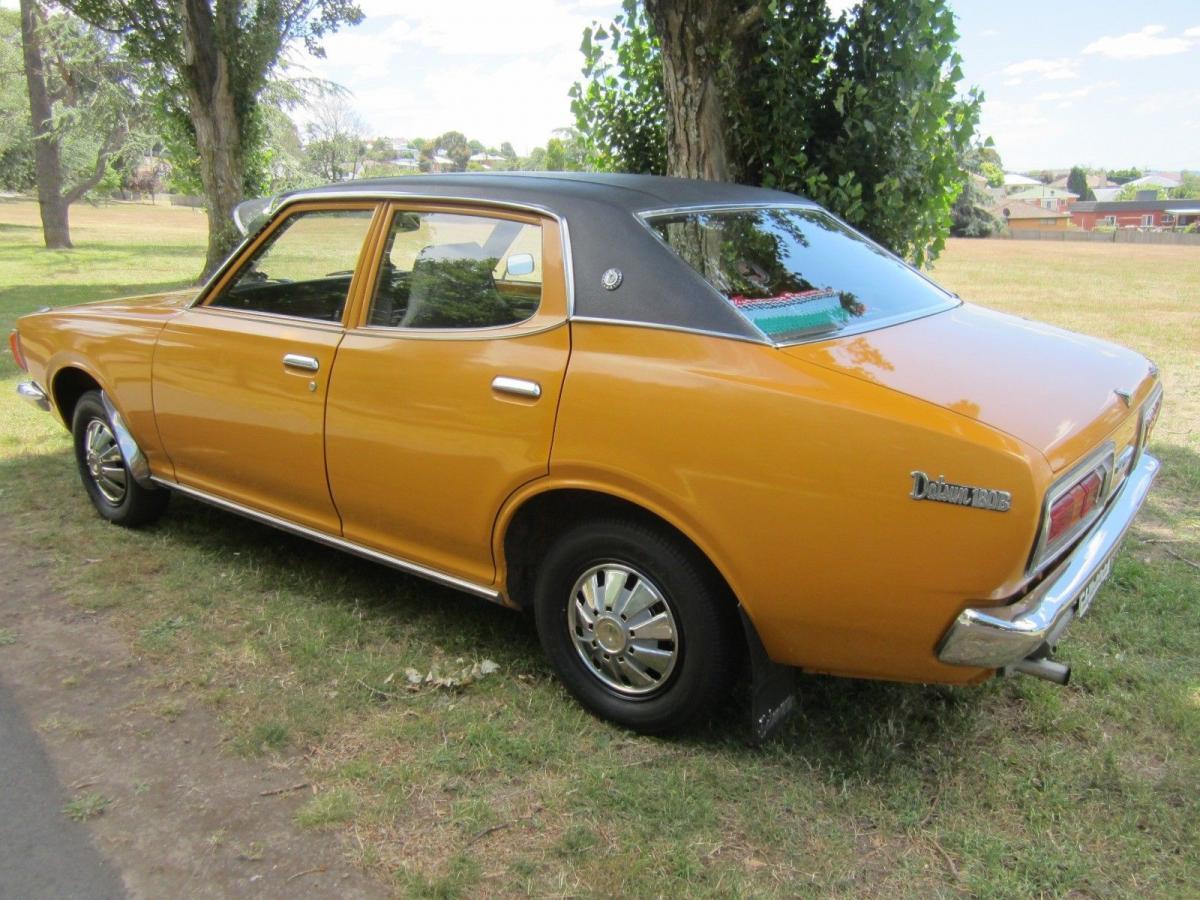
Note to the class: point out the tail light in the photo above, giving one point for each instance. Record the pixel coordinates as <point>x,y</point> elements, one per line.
<point>14,344</point>
<point>1072,504</point>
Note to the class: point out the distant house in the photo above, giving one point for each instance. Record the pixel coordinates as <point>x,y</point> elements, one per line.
<point>1144,213</point>
<point>1094,180</point>
<point>487,160</point>
<point>1024,216</point>
<point>1015,181</point>
<point>1046,197</point>
<point>1156,180</point>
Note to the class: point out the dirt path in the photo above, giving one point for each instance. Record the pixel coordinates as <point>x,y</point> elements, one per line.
<point>184,816</point>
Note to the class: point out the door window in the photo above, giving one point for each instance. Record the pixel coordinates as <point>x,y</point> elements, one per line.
<point>304,268</point>
<point>449,270</point>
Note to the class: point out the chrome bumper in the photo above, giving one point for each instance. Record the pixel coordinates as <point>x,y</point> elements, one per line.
<point>34,394</point>
<point>1002,636</point>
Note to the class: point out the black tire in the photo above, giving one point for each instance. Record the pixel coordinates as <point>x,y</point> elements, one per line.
<point>116,496</point>
<point>701,613</point>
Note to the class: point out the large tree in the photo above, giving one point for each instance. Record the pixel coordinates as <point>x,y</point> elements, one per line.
<point>860,112</point>
<point>1077,183</point>
<point>81,100</point>
<point>215,58</point>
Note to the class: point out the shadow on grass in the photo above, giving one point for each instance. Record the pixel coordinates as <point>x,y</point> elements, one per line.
<point>16,301</point>
<point>853,730</point>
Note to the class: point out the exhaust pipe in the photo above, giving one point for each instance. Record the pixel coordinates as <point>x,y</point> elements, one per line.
<point>1044,668</point>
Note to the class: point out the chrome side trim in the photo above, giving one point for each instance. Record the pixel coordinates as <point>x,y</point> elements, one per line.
<point>395,562</point>
<point>521,387</point>
<point>995,637</point>
<point>318,194</point>
<point>29,390</point>
<point>299,361</point>
<point>135,460</point>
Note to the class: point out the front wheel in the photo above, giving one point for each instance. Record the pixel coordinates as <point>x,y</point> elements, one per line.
<point>635,624</point>
<point>104,471</point>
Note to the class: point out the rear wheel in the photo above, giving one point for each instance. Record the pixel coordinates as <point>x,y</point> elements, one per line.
<point>635,624</point>
<point>104,471</point>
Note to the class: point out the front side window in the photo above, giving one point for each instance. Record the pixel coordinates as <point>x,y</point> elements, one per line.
<point>304,268</point>
<point>798,274</point>
<point>450,270</point>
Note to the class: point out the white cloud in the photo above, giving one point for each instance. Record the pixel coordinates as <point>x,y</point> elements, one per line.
<point>1192,32</point>
<point>1143,44</point>
<point>1047,69</point>
<point>1065,97</point>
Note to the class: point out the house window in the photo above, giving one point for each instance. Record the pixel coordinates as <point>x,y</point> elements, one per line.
<point>1148,221</point>
<point>1049,221</point>
<point>1109,220</point>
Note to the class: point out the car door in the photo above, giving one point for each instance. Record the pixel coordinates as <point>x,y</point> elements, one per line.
<point>445,392</point>
<point>240,380</point>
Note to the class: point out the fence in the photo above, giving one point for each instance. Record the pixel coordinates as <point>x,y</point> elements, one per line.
<point>1120,236</point>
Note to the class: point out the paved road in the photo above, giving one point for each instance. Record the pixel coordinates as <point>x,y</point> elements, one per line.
<point>43,854</point>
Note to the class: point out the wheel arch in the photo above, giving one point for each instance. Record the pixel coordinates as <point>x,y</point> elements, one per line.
<point>67,385</point>
<point>530,520</point>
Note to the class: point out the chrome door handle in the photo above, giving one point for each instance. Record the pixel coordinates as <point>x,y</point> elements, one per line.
<point>296,361</point>
<point>521,387</point>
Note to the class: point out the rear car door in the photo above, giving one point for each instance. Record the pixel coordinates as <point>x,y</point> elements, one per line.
<point>445,390</point>
<point>240,380</point>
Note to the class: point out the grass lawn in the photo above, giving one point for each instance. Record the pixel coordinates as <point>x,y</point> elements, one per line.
<point>505,786</point>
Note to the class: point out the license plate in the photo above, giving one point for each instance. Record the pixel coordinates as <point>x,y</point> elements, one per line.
<point>1092,587</point>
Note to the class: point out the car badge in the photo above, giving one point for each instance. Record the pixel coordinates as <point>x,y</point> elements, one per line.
<point>943,491</point>
<point>611,279</point>
<point>1124,395</point>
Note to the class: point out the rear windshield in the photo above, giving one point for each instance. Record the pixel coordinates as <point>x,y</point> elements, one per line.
<point>798,274</point>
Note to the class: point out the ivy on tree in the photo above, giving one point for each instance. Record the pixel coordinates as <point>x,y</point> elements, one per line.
<point>862,112</point>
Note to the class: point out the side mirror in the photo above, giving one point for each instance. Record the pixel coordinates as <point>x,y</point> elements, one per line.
<point>519,264</point>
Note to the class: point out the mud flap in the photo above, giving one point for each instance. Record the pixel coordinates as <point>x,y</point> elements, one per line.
<point>772,687</point>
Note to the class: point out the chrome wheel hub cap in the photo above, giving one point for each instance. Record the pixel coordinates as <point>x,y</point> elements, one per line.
<point>104,462</point>
<point>623,629</point>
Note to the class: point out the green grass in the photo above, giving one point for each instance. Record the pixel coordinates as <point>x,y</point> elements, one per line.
<point>505,786</point>
<point>86,806</point>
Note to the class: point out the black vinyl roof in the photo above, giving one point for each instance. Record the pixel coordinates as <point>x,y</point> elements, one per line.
<point>600,211</point>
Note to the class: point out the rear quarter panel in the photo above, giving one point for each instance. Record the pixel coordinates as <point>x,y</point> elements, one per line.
<point>795,481</point>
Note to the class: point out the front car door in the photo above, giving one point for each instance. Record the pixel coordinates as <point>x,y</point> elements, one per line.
<point>445,391</point>
<point>240,380</point>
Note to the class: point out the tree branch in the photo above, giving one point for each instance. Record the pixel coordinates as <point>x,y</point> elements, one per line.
<point>748,20</point>
<point>111,144</point>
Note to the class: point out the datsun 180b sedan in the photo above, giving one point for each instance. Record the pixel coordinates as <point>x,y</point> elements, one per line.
<point>695,428</point>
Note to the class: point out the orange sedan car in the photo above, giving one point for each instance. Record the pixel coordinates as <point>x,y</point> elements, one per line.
<point>691,426</point>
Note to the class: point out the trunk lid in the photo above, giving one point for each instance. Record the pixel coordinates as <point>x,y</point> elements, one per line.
<point>1051,388</point>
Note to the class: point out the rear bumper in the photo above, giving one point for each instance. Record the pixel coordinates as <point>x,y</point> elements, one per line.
<point>995,637</point>
<point>30,391</point>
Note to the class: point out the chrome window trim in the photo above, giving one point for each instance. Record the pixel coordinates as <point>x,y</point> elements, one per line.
<point>320,324</point>
<point>485,333</point>
<point>396,562</point>
<point>1043,555</point>
<point>645,216</point>
<point>318,194</point>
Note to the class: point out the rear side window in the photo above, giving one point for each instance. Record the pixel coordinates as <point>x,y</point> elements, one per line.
<point>451,270</point>
<point>304,268</point>
<point>798,274</point>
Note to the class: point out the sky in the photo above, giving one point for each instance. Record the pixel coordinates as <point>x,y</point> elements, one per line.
<point>1105,83</point>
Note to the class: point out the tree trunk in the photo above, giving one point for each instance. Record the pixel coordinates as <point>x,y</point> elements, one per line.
<point>691,33</point>
<point>47,158</point>
<point>218,129</point>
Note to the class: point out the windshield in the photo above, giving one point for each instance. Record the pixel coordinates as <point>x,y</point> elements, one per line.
<point>798,274</point>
